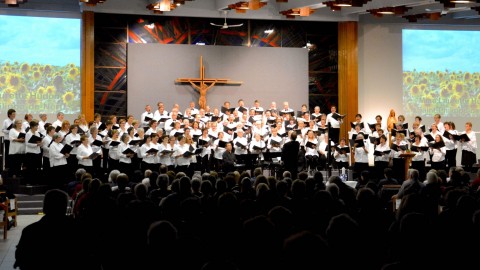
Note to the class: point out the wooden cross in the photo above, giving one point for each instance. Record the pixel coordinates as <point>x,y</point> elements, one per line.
<point>204,84</point>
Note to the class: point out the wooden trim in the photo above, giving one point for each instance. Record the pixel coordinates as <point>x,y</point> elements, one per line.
<point>88,64</point>
<point>347,73</point>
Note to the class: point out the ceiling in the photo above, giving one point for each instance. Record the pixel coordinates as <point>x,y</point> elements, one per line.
<point>426,11</point>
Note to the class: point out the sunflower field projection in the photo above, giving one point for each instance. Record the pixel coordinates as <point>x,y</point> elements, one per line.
<point>40,64</point>
<point>441,73</point>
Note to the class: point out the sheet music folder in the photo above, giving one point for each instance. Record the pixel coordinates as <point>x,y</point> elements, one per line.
<point>338,116</point>
<point>67,148</point>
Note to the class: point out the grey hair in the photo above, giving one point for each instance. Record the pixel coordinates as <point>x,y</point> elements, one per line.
<point>112,177</point>
<point>56,136</point>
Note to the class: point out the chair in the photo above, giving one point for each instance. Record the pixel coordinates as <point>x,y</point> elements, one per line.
<point>395,203</point>
<point>12,211</point>
<point>4,221</point>
<point>386,193</point>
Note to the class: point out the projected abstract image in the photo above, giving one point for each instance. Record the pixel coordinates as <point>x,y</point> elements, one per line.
<point>40,64</point>
<point>441,73</point>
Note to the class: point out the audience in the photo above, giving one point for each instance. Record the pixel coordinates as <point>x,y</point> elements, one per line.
<point>235,221</point>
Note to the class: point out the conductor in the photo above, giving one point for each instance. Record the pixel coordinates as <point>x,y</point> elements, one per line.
<point>290,155</point>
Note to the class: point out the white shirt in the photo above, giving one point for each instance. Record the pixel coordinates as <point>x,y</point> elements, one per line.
<point>123,157</point>
<point>361,155</point>
<point>142,118</point>
<point>470,145</point>
<point>15,147</point>
<point>334,123</point>
<point>165,159</point>
<point>383,148</point>
<point>450,144</point>
<point>6,123</point>
<point>84,151</point>
<point>342,157</point>
<point>57,158</point>
<point>240,150</point>
<point>32,147</point>
<point>311,151</point>
<point>69,139</point>
<point>46,146</point>
<point>57,123</point>
<point>180,150</point>
<point>218,151</point>
<point>438,154</point>
<point>41,128</point>
<point>275,149</point>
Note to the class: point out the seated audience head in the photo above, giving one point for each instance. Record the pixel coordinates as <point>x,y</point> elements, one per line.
<point>55,203</point>
<point>112,177</point>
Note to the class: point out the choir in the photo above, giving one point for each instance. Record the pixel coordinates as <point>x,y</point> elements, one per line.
<point>197,139</point>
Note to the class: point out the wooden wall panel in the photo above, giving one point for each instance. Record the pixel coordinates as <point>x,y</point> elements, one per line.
<point>347,73</point>
<point>88,78</point>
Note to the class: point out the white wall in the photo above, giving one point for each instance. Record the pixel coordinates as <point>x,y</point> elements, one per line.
<point>268,74</point>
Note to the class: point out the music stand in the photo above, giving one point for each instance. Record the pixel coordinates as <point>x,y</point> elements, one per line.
<point>273,165</point>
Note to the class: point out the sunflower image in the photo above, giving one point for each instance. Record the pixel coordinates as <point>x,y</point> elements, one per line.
<point>8,100</point>
<point>454,102</point>
<point>445,92</point>
<point>411,107</point>
<point>476,82</point>
<point>440,75</point>
<point>22,89</point>
<point>3,80</point>
<point>36,75</point>
<point>71,65</point>
<point>47,69</point>
<point>428,102</point>
<point>41,90</point>
<point>73,73</point>
<point>5,69</point>
<point>408,80</point>
<point>58,82</point>
<point>472,105</point>
<point>415,90</point>
<point>450,86</point>
<point>10,90</point>
<point>50,90</point>
<point>24,68</point>
<point>32,100</point>
<point>13,80</point>
<point>467,76</point>
<point>458,88</point>
<point>68,98</point>
<point>423,80</point>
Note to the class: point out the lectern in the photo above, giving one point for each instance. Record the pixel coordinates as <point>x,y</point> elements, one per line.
<point>408,159</point>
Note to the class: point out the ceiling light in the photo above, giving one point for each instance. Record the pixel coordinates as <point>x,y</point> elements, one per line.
<point>13,3</point>
<point>460,1</point>
<point>91,2</point>
<point>160,6</point>
<point>343,3</point>
<point>302,11</point>
<point>268,31</point>
<point>386,12</point>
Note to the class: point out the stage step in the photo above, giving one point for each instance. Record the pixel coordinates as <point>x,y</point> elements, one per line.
<point>29,204</point>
